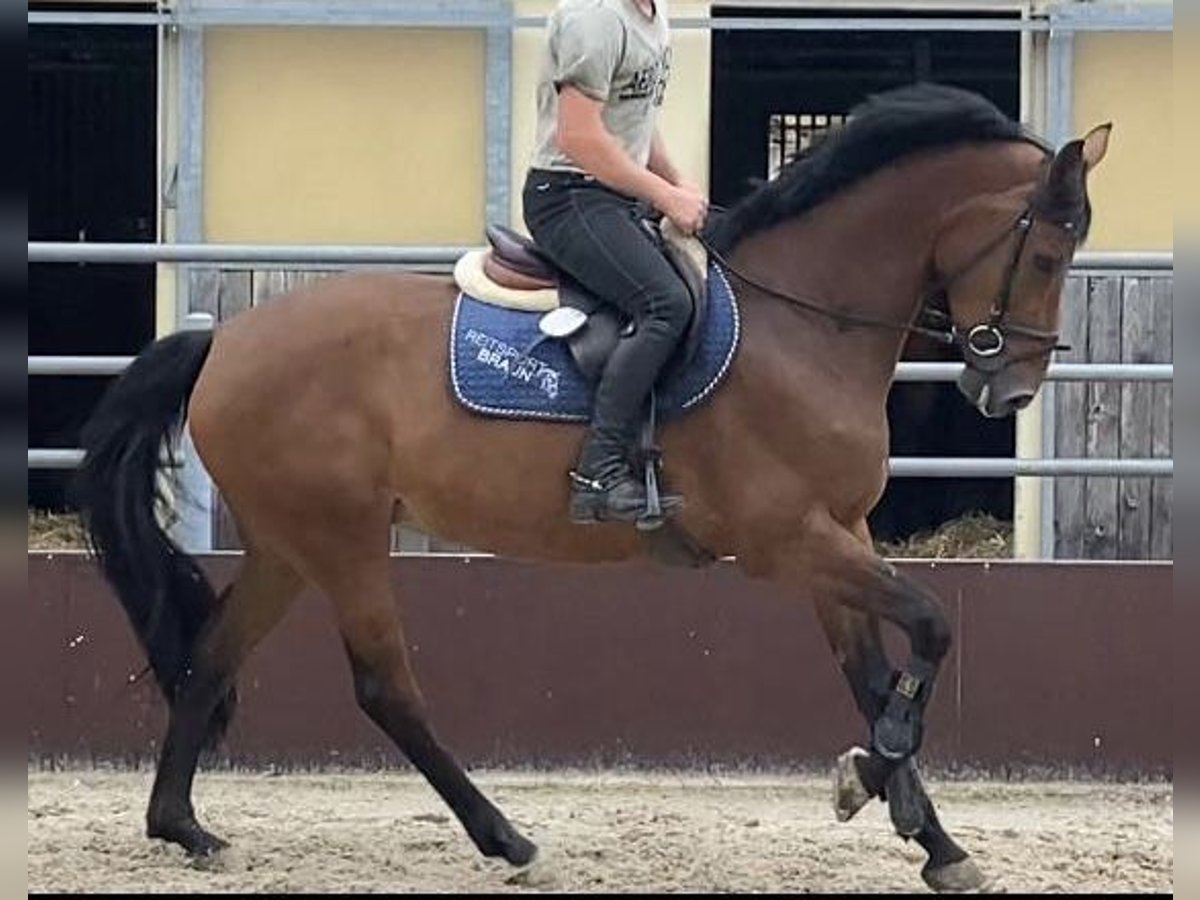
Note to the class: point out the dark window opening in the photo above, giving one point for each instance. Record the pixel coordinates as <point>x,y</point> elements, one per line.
<point>92,177</point>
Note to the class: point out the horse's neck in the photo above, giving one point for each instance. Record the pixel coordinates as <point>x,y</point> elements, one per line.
<point>868,251</point>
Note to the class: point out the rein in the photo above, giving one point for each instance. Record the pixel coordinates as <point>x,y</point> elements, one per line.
<point>982,342</point>
<point>944,334</point>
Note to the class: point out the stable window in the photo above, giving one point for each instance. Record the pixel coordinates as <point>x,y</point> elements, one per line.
<point>93,126</point>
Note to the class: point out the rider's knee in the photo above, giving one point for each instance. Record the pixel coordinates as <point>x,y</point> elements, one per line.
<point>672,308</point>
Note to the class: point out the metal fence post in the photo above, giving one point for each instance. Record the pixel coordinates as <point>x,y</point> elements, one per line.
<point>1060,107</point>
<point>498,117</point>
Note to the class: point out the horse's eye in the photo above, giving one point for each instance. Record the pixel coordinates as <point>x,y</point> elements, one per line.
<point>1047,264</point>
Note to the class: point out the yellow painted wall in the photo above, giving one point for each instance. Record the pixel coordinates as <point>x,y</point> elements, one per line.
<point>1187,206</point>
<point>344,135</point>
<point>684,119</point>
<point>377,135</point>
<point>1127,79</point>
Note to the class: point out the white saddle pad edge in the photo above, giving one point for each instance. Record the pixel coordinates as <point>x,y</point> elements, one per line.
<point>471,279</point>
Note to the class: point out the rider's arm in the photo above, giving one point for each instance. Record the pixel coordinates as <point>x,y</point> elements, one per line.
<point>587,46</point>
<point>660,162</point>
<point>582,136</point>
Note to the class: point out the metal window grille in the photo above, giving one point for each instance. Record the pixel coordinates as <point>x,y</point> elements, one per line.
<point>790,134</point>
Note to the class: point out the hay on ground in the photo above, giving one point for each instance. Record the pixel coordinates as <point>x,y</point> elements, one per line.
<point>55,531</point>
<point>973,536</point>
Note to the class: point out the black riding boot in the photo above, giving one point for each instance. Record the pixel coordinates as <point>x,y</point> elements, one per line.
<point>604,487</point>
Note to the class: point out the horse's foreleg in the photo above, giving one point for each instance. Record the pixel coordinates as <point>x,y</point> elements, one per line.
<point>831,562</point>
<point>854,638</point>
<point>858,646</point>
<point>845,571</point>
<point>255,603</point>
<point>388,693</point>
<point>949,867</point>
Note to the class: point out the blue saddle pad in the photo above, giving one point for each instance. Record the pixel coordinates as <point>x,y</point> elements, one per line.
<point>502,365</point>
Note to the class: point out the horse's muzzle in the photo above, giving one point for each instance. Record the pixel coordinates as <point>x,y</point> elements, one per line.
<point>995,396</point>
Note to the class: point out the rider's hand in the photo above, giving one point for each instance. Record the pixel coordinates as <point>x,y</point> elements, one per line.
<point>686,207</point>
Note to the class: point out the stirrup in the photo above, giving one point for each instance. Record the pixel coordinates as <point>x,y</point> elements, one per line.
<point>655,515</point>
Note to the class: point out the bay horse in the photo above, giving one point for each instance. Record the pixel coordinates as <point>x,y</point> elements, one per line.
<point>326,416</point>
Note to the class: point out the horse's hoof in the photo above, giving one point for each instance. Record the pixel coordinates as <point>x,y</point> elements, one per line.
<point>520,851</point>
<point>505,841</point>
<point>540,874</point>
<point>904,800</point>
<point>188,834</point>
<point>849,793</point>
<point>962,877</point>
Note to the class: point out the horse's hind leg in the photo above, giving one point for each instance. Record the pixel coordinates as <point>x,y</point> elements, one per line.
<point>858,646</point>
<point>388,693</point>
<point>257,600</point>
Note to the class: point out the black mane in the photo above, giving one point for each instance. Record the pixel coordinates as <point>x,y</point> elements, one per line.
<point>880,131</point>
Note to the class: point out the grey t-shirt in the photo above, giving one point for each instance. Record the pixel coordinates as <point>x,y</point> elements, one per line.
<point>612,52</point>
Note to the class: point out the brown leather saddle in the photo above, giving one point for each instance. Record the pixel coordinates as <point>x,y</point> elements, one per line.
<point>516,262</point>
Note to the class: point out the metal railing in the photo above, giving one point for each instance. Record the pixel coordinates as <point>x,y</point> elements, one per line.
<point>370,254</point>
<point>1107,17</point>
<point>335,255</point>
<point>901,467</point>
<point>906,371</point>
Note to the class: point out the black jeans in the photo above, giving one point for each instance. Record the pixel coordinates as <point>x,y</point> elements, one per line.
<point>594,234</point>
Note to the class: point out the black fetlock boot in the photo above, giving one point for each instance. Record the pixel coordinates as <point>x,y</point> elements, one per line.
<point>604,487</point>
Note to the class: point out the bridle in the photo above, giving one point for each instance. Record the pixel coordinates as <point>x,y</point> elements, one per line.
<point>987,340</point>
<point>982,344</point>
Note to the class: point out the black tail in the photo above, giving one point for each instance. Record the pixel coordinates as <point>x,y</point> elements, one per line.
<point>164,593</point>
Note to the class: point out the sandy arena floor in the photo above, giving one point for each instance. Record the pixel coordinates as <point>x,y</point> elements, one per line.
<point>598,832</point>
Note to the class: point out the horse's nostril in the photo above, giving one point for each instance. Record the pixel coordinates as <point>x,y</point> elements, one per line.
<point>1020,401</point>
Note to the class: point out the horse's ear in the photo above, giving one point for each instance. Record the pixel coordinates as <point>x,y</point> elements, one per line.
<point>1068,164</point>
<point>1095,145</point>
<point>1066,189</point>
<point>1064,186</point>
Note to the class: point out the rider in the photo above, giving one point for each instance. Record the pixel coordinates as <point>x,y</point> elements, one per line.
<point>599,153</point>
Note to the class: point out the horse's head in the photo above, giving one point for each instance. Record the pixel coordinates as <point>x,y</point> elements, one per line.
<point>1001,262</point>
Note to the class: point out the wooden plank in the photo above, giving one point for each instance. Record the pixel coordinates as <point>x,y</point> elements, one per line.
<point>205,290</point>
<point>1161,438</point>
<point>236,288</point>
<point>1137,346</point>
<point>269,283</point>
<point>1070,405</point>
<point>302,278</point>
<point>406,539</point>
<point>272,283</point>
<point>1103,419</point>
<point>437,545</point>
